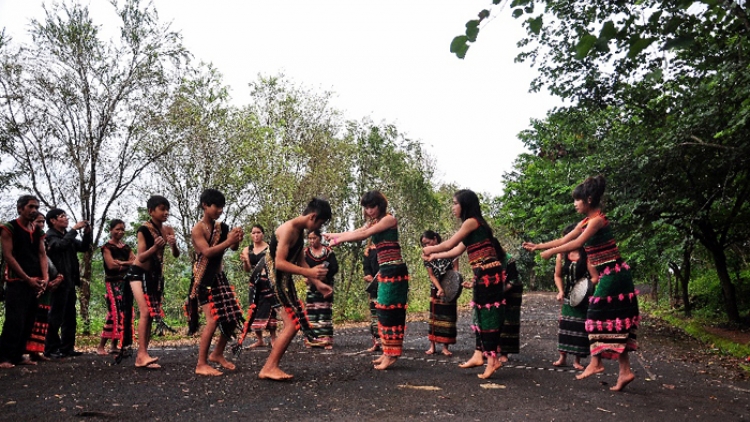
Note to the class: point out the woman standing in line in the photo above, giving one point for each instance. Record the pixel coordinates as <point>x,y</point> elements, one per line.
<point>571,334</point>
<point>613,315</point>
<point>486,258</point>
<point>393,275</point>
<point>265,312</point>
<point>443,314</point>
<point>318,307</point>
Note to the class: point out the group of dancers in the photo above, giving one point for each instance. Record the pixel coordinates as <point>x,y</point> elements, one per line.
<point>605,328</point>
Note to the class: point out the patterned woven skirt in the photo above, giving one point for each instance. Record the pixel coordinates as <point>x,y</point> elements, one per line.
<point>320,313</point>
<point>571,333</point>
<point>510,341</point>
<point>35,343</point>
<point>113,323</point>
<point>393,289</point>
<point>613,316</point>
<point>488,308</point>
<point>225,309</point>
<point>443,317</point>
<point>266,305</point>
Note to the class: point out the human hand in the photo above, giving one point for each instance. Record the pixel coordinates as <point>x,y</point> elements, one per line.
<point>37,283</point>
<point>171,240</point>
<point>235,235</point>
<point>467,285</point>
<point>529,246</point>
<point>56,282</point>
<point>368,279</point>
<point>318,272</point>
<point>159,242</point>
<point>440,292</point>
<point>81,224</point>
<point>559,296</point>
<point>323,288</point>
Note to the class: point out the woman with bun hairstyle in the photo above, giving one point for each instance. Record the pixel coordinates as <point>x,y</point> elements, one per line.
<point>612,315</point>
<point>487,259</point>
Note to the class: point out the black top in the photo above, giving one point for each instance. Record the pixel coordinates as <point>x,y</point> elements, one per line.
<point>63,248</point>
<point>25,249</point>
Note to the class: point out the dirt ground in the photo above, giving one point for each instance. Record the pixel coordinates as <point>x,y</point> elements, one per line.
<point>677,379</point>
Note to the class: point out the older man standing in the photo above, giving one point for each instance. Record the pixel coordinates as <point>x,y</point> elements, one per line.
<point>24,255</point>
<point>63,247</point>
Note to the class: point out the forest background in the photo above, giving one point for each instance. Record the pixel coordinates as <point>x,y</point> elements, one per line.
<point>657,98</point>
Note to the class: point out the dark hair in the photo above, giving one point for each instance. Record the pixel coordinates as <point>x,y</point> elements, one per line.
<point>375,198</point>
<point>469,203</point>
<point>430,235</point>
<point>320,207</point>
<point>592,187</point>
<point>24,200</point>
<point>259,227</point>
<point>155,201</point>
<point>212,197</point>
<point>581,270</point>
<point>53,214</point>
<point>114,223</point>
<point>316,232</point>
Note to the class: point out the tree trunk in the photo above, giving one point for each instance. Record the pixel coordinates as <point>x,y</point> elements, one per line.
<point>727,288</point>
<point>84,295</point>
<point>685,279</point>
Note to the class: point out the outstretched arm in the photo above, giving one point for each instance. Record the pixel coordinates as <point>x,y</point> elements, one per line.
<point>362,233</point>
<point>467,227</point>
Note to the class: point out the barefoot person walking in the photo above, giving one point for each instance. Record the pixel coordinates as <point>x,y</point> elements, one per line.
<point>612,316</point>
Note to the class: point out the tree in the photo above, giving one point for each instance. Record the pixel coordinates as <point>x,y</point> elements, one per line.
<point>80,113</point>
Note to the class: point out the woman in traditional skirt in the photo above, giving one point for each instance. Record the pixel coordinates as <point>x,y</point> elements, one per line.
<point>443,314</point>
<point>486,258</point>
<point>117,259</point>
<point>510,339</point>
<point>319,308</point>
<point>572,337</point>
<point>612,315</point>
<point>35,343</point>
<point>265,311</point>
<point>393,275</point>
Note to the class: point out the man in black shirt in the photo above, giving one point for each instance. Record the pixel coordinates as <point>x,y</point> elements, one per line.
<point>63,247</point>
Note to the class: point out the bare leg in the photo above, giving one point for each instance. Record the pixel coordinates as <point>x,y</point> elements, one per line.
<point>562,360</point>
<point>626,375</point>
<point>142,358</point>
<point>447,352</point>
<point>272,334</point>
<point>594,367</point>
<point>259,342</point>
<point>503,357</point>
<point>271,369</point>
<point>100,350</point>
<point>203,368</point>
<point>431,350</point>
<point>476,360</point>
<point>577,364</point>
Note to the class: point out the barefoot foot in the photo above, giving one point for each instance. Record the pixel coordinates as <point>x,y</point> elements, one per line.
<point>490,369</point>
<point>430,351</point>
<point>502,358</point>
<point>386,362</point>
<point>207,370</point>
<point>560,362</point>
<point>577,366</point>
<point>143,361</point>
<point>589,371</point>
<point>275,374</point>
<point>374,348</point>
<point>623,381</point>
<point>379,359</point>
<point>101,352</point>
<point>447,352</point>
<point>472,363</point>
<point>221,360</point>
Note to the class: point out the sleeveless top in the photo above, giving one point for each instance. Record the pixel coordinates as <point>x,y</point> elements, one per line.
<point>25,249</point>
<point>479,247</point>
<point>255,258</point>
<point>213,264</point>
<point>387,246</point>
<point>601,248</point>
<point>120,254</point>
<point>294,251</point>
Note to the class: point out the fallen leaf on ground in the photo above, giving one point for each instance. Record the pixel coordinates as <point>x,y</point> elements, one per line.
<point>420,387</point>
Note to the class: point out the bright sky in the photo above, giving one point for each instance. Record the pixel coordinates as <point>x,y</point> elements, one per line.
<point>385,59</point>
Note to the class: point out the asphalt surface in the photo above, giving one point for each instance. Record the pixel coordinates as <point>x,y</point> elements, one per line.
<point>676,381</point>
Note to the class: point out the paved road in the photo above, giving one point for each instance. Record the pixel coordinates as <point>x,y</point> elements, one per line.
<point>676,382</point>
